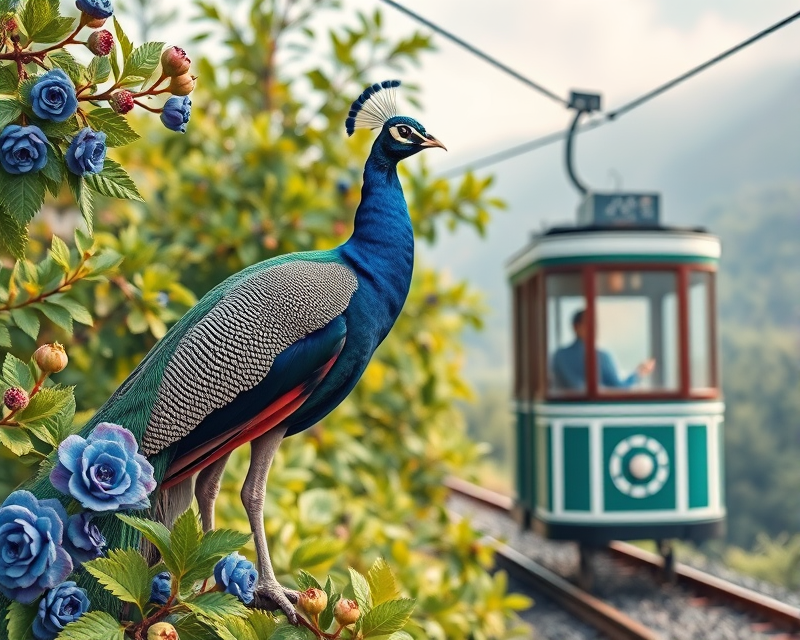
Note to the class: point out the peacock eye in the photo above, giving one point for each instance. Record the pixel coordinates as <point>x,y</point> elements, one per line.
<point>404,131</point>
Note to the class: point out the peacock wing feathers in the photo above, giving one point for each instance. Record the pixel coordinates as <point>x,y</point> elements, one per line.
<point>233,347</point>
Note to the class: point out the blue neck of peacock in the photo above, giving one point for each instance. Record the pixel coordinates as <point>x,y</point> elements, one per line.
<point>381,249</point>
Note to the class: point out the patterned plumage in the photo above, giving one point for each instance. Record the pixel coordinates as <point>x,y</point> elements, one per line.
<point>270,351</point>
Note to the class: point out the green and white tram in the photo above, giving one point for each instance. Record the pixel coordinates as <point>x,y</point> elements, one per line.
<point>619,412</point>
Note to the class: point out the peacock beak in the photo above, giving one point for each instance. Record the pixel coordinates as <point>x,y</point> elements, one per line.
<point>432,142</point>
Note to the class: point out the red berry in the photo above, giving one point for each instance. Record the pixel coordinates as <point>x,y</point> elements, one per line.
<point>15,399</point>
<point>121,101</point>
<point>8,24</point>
<point>100,42</point>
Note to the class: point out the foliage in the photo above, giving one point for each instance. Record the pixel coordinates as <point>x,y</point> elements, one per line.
<point>58,101</point>
<point>265,168</point>
<point>775,560</point>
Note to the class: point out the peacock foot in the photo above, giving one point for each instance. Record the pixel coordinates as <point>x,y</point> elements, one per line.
<point>271,596</point>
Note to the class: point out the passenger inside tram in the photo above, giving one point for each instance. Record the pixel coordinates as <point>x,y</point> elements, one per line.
<point>568,364</point>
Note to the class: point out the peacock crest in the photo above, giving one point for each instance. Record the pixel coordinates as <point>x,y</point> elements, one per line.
<point>373,107</point>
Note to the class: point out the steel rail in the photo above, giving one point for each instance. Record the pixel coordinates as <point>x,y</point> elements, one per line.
<point>591,610</point>
<point>769,609</point>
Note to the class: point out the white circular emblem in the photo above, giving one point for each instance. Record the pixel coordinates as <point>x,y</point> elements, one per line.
<point>646,470</point>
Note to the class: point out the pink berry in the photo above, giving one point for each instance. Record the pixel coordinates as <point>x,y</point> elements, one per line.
<point>15,399</point>
<point>121,101</point>
<point>100,42</point>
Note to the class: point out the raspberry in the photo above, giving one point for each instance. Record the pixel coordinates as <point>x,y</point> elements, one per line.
<point>121,101</point>
<point>100,42</point>
<point>15,399</point>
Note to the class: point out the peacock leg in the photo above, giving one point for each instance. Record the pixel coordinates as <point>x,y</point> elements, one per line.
<point>262,452</point>
<point>206,490</point>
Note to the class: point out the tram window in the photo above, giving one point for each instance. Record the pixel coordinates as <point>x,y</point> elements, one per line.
<point>700,330</point>
<point>565,354</point>
<point>636,331</point>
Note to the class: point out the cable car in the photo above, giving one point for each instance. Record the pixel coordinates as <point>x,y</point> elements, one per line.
<point>619,412</point>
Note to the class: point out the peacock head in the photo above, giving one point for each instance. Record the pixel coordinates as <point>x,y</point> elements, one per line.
<point>400,136</point>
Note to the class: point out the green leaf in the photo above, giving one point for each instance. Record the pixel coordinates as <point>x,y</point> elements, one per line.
<point>15,440</point>
<point>83,196</point>
<point>326,617</point>
<point>60,130</point>
<point>97,625</point>
<point>215,606</point>
<point>113,57</point>
<point>102,262</point>
<point>55,30</point>
<point>49,402</point>
<point>75,309</point>
<point>20,619</point>
<point>84,242</point>
<point>27,321</point>
<point>22,195</point>
<point>184,542</point>
<point>36,15</point>
<point>306,581</point>
<point>382,584</point>
<point>315,551</point>
<point>53,172</point>
<point>5,336</point>
<point>214,546</point>
<point>9,80</point>
<point>64,60</point>
<point>118,131</point>
<point>113,181</point>
<point>143,60</point>
<point>99,70</point>
<point>13,236</point>
<point>234,629</point>
<point>190,628</point>
<point>361,591</point>
<point>387,617</point>
<point>124,572</point>
<point>289,632</point>
<point>400,635</point>
<point>125,44</point>
<point>16,373</point>
<point>57,315</point>
<point>155,532</point>
<point>60,252</point>
<point>10,110</point>
<point>262,623</point>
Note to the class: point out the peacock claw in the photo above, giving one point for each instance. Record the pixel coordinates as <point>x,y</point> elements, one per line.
<point>271,596</point>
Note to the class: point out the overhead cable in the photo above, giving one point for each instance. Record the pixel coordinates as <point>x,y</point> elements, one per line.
<point>475,51</point>
<point>538,143</point>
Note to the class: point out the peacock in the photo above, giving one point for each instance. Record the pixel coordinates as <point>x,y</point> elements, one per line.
<point>272,350</point>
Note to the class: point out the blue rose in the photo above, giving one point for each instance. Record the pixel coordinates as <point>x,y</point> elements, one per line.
<point>87,152</point>
<point>95,8</point>
<point>53,96</point>
<point>237,575</point>
<point>161,588</point>
<point>31,556</point>
<point>22,149</point>
<point>84,538</point>
<point>176,113</point>
<point>104,472</point>
<point>62,605</point>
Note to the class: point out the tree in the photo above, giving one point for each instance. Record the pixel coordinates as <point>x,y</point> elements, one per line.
<point>265,168</point>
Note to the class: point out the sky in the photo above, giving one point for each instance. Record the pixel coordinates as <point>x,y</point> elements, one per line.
<point>733,126</point>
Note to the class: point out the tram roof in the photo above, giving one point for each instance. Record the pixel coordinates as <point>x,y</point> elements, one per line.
<point>587,244</point>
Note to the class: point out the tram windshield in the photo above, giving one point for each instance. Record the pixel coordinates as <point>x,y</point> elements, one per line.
<point>636,332</point>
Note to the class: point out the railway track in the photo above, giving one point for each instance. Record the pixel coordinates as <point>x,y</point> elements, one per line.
<point>772,615</point>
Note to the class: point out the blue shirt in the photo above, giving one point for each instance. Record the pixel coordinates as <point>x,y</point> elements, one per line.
<point>569,369</point>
